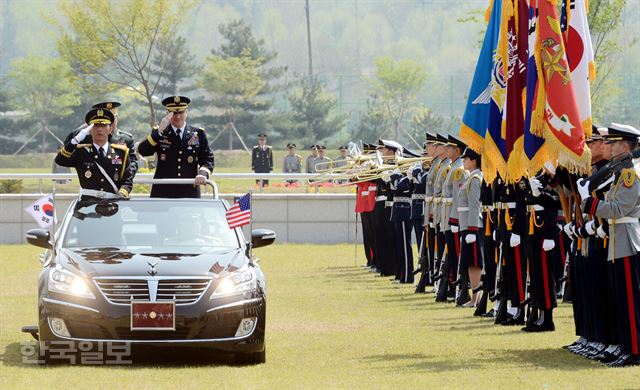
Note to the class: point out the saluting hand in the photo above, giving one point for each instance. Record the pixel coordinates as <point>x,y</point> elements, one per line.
<point>164,123</point>
<point>82,135</point>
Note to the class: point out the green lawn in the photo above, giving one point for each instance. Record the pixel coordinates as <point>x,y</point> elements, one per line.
<point>330,324</point>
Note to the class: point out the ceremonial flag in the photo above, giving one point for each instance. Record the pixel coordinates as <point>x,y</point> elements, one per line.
<point>556,116</point>
<point>240,213</point>
<point>42,211</point>
<point>476,113</point>
<point>513,127</point>
<point>495,149</point>
<point>534,149</point>
<point>577,37</point>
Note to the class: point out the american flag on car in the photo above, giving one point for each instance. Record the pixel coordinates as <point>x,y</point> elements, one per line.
<point>240,213</point>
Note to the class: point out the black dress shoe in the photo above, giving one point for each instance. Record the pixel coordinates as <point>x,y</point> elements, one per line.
<point>545,327</point>
<point>609,357</point>
<point>437,277</point>
<point>489,314</point>
<point>623,361</point>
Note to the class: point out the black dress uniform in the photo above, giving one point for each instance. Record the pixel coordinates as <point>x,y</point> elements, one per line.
<point>181,156</point>
<point>90,162</point>
<point>262,160</point>
<point>402,225</point>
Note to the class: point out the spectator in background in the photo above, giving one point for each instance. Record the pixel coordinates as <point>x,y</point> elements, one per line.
<point>341,160</point>
<point>292,163</point>
<point>322,162</point>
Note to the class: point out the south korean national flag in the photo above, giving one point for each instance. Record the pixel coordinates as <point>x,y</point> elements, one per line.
<point>42,211</point>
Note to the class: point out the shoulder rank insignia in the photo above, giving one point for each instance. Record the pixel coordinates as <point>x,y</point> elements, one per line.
<point>120,146</point>
<point>628,176</point>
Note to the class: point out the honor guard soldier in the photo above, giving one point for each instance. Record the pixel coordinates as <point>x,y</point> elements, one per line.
<point>292,163</point>
<point>401,220</point>
<point>418,178</point>
<point>182,151</point>
<point>489,250</point>
<point>104,169</point>
<point>470,223</point>
<point>428,258</point>
<point>441,175</point>
<point>262,159</point>
<point>117,136</point>
<point>621,208</point>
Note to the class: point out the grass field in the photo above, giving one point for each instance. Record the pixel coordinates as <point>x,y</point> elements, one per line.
<point>330,324</point>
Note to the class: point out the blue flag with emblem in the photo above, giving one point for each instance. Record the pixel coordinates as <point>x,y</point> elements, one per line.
<point>476,113</point>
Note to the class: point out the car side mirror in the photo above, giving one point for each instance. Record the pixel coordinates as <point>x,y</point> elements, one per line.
<point>39,237</point>
<point>262,237</point>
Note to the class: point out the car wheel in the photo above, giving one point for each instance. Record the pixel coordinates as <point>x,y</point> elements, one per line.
<point>251,358</point>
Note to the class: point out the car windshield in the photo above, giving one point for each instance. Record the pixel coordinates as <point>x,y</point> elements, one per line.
<point>156,225</point>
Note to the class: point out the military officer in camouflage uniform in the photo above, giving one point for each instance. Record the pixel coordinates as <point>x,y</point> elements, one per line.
<point>104,169</point>
<point>262,159</point>
<point>292,162</point>
<point>182,151</point>
<point>621,208</point>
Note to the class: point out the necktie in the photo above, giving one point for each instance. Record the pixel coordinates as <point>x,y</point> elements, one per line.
<point>101,152</point>
<point>178,133</point>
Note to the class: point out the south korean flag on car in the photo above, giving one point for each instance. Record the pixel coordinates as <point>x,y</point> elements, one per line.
<point>42,211</point>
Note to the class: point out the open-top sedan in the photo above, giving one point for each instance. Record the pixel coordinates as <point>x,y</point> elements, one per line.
<point>165,272</point>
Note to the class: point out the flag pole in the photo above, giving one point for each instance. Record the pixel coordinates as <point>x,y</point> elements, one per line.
<point>355,244</point>
<point>250,224</point>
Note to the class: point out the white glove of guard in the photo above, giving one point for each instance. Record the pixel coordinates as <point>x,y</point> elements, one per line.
<point>431,225</point>
<point>568,231</point>
<point>583,188</point>
<point>410,175</point>
<point>547,245</point>
<point>514,241</point>
<point>385,176</point>
<point>455,229</point>
<point>493,235</point>
<point>535,186</point>
<point>164,123</point>
<point>589,228</point>
<point>82,135</point>
<point>470,238</point>
<point>601,233</point>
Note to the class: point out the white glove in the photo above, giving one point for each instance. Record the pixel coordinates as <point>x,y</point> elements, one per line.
<point>606,182</point>
<point>431,225</point>
<point>550,167</point>
<point>493,235</point>
<point>410,175</point>
<point>164,123</point>
<point>470,238</point>
<point>601,233</point>
<point>514,241</point>
<point>583,188</point>
<point>82,135</point>
<point>567,230</point>
<point>385,176</point>
<point>455,229</point>
<point>535,186</point>
<point>547,245</point>
<point>589,228</point>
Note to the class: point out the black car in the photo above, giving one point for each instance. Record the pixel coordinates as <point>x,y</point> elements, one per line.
<point>162,272</point>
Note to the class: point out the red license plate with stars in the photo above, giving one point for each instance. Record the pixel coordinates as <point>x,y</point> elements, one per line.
<point>153,316</point>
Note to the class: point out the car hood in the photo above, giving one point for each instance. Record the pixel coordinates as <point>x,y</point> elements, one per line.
<point>116,262</point>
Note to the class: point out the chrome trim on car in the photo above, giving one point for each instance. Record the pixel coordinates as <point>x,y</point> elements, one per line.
<point>147,291</point>
<point>75,306</point>
<point>180,341</point>
<point>240,303</point>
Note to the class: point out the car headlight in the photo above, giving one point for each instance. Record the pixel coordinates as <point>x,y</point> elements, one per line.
<point>238,282</point>
<point>65,282</point>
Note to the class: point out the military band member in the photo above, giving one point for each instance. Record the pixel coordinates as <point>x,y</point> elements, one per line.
<point>292,162</point>
<point>470,223</point>
<point>384,232</point>
<point>182,151</point>
<point>262,159</point>
<point>401,220</point>
<point>310,163</point>
<point>622,208</point>
<point>104,169</point>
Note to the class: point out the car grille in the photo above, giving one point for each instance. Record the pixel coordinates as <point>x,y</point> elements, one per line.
<point>182,291</point>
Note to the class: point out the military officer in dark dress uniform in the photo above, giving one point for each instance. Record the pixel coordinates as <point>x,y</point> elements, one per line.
<point>182,150</point>
<point>104,169</point>
<point>262,158</point>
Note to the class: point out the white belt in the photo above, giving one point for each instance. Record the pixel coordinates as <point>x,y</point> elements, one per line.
<point>447,199</point>
<point>363,193</point>
<point>428,199</point>
<point>373,188</point>
<point>401,199</point>
<point>388,203</point>
<point>487,208</point>
<point>463,208</point>
<point>508,205</point>
<point>99,194</point>
<point>623,220</point>
<point>537,207</point>
<point>381,197</point>
<point>418,196</point>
